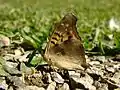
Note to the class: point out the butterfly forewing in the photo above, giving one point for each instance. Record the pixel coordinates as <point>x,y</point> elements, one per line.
<point>65,49</point>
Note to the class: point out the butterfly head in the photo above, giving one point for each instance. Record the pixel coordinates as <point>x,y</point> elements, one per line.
<point>69,20</point>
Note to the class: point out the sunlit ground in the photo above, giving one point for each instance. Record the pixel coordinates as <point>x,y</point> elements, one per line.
<point>17,16</point>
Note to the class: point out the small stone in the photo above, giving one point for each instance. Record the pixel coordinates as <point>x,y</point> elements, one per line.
<point>65,86</point>
<point>11,88</point>
<point>100,86</point>
<point>71,72</point>
<point>57,78</point>
<point>117,89</point>
<point>97,84</point>
<point>96,71</point>
<point>51,86</point>
<point>33,88</point>
<point>82,81</point>
<point>16,81</point>
<point>94,63</point>
<point>17,52</point>
<point>4,41</point>
<point>26,70</point>
<point>100,58</point>
<point>22,58</point>
<point>11,64</point>
<point>49,78</point>
<point>103,86</point>
<point>3,85</point>
<point>117,66</point>
<point>110,69</point>
<point>116,78</point>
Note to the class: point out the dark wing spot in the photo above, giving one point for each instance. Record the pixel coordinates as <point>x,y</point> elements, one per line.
<point>55,38</point>
<point>53,42</point>
<point>57,33</point>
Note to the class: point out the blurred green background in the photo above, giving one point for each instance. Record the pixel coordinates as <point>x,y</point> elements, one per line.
<point>32,21</point>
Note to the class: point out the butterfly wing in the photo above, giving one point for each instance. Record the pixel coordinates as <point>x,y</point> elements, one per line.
<point>65,49</point>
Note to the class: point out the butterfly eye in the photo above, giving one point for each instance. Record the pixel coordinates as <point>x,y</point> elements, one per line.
<point>49,59</point>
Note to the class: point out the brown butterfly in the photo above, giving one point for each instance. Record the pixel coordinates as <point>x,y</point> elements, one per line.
<point>64,49</point>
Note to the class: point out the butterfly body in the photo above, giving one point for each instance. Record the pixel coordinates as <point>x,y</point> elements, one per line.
<point>65,49</point>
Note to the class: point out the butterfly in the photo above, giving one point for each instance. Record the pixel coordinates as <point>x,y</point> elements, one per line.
<point>65,49</point>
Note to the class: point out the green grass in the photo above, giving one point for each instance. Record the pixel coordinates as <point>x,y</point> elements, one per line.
<point>33,21</point>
